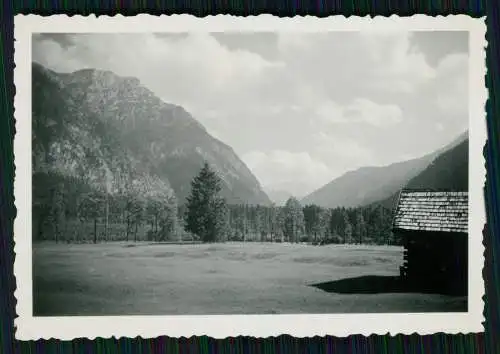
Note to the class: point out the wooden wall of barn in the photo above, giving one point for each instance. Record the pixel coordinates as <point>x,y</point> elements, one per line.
<point>435,261</point>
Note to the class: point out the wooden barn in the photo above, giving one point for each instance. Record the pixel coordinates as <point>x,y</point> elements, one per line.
<point>433,228</point>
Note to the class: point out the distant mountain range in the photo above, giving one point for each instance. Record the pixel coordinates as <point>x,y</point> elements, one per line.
<point>446,168</point>
<point>115,134</point>
<point>279,197</point>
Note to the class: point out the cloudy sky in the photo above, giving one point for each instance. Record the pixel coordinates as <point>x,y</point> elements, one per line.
<point>299,109</point>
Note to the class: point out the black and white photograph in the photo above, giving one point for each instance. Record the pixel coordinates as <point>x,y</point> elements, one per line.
<point>252,172</point>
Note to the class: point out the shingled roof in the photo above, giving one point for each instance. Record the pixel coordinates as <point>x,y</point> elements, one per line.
<point>432,211</point>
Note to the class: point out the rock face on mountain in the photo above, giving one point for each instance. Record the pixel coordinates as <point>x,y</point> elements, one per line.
<point>442,169</point>
<point>115,134</point>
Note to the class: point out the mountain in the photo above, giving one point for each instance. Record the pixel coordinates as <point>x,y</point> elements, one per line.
<point>279,197</point>
<point>448,171</point>
<point>115,134</point>
<point>368,185</point>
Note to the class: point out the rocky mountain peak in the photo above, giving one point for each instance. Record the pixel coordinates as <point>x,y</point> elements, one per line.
<point>101,124</point>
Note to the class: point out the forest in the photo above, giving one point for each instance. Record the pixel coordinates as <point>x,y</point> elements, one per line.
<point>66,209</point>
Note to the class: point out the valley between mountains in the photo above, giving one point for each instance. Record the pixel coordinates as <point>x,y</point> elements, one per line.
<point>96,133</point>
<point>113,162</point>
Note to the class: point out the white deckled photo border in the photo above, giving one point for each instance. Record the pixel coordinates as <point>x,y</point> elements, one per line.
<point>29,327</point>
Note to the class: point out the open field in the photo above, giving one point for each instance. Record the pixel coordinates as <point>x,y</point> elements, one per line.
<point>230,278</point>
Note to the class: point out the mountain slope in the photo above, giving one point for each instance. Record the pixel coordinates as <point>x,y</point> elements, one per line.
<point>369,185</point>
<point>117,134</point>
<point>449,171</point>
<point>366,185</point>
<point>72,142</point>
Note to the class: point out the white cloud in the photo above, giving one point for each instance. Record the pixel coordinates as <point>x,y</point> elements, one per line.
<point>452,63</point>
<point>452,90</point>
<point>303,172</point>
<point>50,54</point>
<point>279,169</point>
<point>289,42</point>
<point>355,61</point>
<point>342,152</point>
<point>364,110</point>
<point>303,99</point>
<point>189,71</point>
<point>397,65</point>
<point>360,110</point>
<point>329,111</point>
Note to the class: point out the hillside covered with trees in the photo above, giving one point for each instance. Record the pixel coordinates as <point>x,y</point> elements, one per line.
<point>445,168</point>
<point>448,171</point>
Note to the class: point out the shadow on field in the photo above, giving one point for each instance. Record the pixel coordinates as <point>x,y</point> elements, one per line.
<point>376,284</point>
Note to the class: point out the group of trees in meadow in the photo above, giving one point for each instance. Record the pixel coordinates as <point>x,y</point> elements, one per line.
<point>69,210</point>
<point>311,223</point>
<point>209,217</point>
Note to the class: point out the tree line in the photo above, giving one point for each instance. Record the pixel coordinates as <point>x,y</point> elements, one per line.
<point>311,223</point>
<point>67,210</point>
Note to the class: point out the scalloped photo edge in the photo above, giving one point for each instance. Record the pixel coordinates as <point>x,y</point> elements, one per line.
<point>30,327</point>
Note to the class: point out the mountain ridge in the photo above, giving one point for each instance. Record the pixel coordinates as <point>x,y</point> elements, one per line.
<point>372,184</point>
<point>454,163</point>
<point>115,127</point>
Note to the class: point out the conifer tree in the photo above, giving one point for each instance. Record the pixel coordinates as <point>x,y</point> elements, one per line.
<point>324,224</point>
<point>206,209</point>
<point>312,214</point>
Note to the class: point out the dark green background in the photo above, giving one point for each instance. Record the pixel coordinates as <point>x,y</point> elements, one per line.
<point>488,342</point>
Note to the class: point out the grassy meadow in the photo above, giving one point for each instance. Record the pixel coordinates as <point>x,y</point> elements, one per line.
<point>224,278</point>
